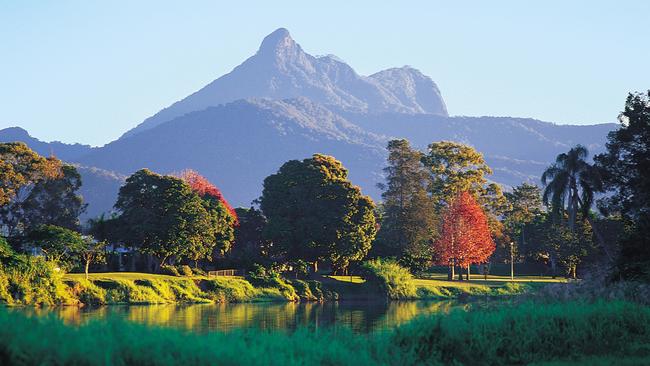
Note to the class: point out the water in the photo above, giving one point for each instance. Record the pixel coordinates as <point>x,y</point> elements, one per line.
<point>361,317</point>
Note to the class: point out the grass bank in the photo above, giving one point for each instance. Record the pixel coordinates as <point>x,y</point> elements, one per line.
<point>562,333</point>
<point>47,287</point>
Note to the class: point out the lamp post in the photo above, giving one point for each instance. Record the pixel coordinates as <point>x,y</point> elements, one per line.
<point>512,262</point>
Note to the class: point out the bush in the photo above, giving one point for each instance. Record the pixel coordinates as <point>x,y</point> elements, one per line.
<point>6,251</point>
<point>169,270</point>
<point>389,278</point>
<point>185,270</point>
<point>34,281</point>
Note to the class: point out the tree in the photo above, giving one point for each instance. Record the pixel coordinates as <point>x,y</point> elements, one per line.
<point>570,183</point>
<point>55,201</point>
<point>524,204</point>
<point>250,246</point>
<point>409,220</point>
<point>314,213</point>
<point>624,167</point>
<point>91,251</point>
<point>20,169</point>
<point>162,216</point>
<point>455,168</point>
<point>20,166</point>
<point>465,235</point>
<point>553,243</point>
<point>58,244</point>
<point>222,216</point>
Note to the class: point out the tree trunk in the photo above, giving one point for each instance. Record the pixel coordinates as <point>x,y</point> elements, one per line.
<point>460,272</point>
<point>87,265</point>
<point>315,266</point>
<point>553,265</point>
<point>452,266</point>
<point>468,272</point>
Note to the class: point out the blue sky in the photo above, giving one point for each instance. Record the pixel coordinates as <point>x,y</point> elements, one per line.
<point>86,71</point>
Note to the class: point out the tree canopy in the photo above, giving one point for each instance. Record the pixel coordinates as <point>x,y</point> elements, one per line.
<point>162,216</point>
<point>314,213</point>
<point>409,222</point>
<point>465,236</point>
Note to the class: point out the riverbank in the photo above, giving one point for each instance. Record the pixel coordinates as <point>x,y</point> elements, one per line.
<point>146,288</point>
<point>598,333</point>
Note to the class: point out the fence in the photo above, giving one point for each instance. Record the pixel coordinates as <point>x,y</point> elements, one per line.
<point>226,273</point>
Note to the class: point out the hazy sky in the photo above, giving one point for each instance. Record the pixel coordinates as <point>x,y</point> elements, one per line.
<point>86,71</point>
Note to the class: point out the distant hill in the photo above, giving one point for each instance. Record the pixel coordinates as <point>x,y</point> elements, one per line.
<point>283,104</point>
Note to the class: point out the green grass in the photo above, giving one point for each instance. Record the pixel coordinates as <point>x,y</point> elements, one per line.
<point>436,286</point>
<point>542,334</point>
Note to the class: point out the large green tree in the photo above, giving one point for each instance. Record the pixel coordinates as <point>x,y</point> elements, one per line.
<point>409,220</point>
<point>315,213</point>
<point>625,168</point>
<point>162,216</point>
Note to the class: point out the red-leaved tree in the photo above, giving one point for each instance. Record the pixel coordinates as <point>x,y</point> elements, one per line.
<point>465,236</point>
<point>204,188</point>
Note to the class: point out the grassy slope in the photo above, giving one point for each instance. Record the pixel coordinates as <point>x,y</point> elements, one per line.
<point>146,288</point>
<point>566,333</point>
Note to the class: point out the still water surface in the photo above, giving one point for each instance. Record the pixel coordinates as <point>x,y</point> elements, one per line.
<point>361,317</point>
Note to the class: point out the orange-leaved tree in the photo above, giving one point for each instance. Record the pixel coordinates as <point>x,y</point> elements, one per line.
<point>465,236</point>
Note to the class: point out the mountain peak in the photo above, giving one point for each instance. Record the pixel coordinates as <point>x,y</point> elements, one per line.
<point>278,40</point>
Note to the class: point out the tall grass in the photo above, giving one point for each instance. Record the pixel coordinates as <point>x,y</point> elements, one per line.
<point>391,279</point>
<point>528,333</point>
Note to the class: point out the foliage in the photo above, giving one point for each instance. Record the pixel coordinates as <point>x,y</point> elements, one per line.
<point>6,251</point>
<point>54,201</point>
<point>520,334</point>
<point>409,218</point>
<point>391,279</point>
<point>91,251</point>
<point>57,243</point>
<point>186,271</point>
<point>20,166</point>
<point>169,270</point>
<point>222,216</point>
<point>314,213</point>
<point>455,168</point>
<point>20,170</point>
<point>557,244</point>
<point>524,204</point>
<point>162,216</point>
<point>32,281</point>
<point>465,237</point>
<point>625,168</point>
<point>250,246</point>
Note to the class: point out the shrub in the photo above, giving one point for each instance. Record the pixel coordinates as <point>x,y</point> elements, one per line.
<point>33,280</point>
<point>169,270</point>
<point>389,278</point>
<point>185,270</point>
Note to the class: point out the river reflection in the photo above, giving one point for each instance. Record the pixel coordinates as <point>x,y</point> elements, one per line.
<point>361,317</point>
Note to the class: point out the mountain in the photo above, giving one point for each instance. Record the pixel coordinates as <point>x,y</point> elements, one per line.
<point>65,152</point>
<point>283,104</point>
<point>237,145</point>
<point>99,187</point>
<point>281,70</point>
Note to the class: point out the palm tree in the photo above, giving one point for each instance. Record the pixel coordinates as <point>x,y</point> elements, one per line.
<point>570,183</point>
